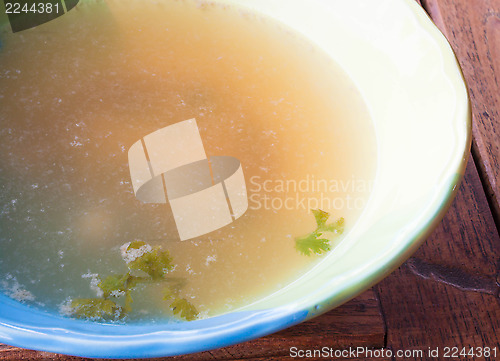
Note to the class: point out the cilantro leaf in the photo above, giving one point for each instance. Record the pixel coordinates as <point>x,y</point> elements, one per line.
<point>136,244</point>
<point>184,308</point>
<point>321,217</point>
<point>316,242</point>
<point>128,302</point>
<point>95,308</point>
<point>114,284</point>
<point>139,256</point>
<point>335,227</point>
<point>312,244</point>
<point>153,261</point>
<point>168,294</point>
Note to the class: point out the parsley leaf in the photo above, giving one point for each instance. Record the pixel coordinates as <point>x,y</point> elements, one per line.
<point>316,242</point>
<point>153,261</point>
<point>128,302</point>
<point>320,216</point>
<point>184,308</point>
<point>312,244</point>
<point>168,294</point>
<point>139,256</point>
<point>113,284</point>
<point>95,308</point>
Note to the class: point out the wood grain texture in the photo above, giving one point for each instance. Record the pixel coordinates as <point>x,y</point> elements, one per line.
<point>447,294</point>
<point>473,29</point>
<point>356,323</point>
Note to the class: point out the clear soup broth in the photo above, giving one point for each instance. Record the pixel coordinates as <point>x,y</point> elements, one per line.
<point>77,92</point>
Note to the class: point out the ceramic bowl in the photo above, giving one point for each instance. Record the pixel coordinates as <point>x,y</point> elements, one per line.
<point>414,88</point>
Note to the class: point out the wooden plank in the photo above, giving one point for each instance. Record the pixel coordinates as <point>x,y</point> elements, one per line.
<point>356,323</point>
<point>473,29</point>
<point>447,294</point>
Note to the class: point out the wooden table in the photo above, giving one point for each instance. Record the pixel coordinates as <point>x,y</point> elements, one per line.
<point>448,293</point>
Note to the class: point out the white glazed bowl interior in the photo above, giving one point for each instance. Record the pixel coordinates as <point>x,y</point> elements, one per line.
<point>414,89</point>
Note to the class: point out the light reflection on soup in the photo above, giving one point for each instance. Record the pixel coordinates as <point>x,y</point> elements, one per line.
<point>77,92</point>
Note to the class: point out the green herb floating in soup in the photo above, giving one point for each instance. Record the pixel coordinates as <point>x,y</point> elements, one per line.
<point>317,242</point>
<point>146,264</point>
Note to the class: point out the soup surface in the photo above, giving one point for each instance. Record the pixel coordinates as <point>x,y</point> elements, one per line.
<point>77,92</point>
